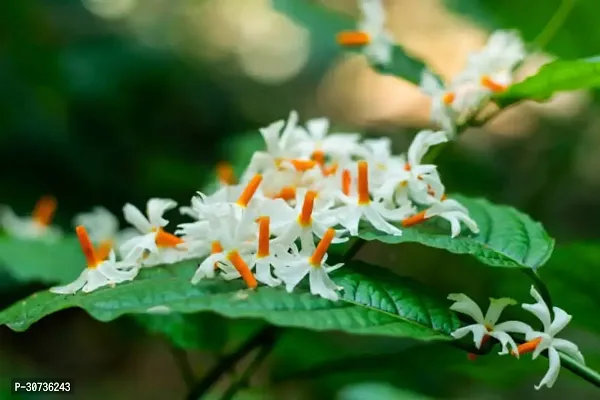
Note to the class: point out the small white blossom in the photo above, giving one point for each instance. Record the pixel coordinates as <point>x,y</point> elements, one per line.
<point>546,339</point>
<point>312,263</point>
<point>376,41</point>
<point>37,226</point>
<point>487,326</point>
<point>153,245</point>
<point>99,272</point>
<point>356,208</point>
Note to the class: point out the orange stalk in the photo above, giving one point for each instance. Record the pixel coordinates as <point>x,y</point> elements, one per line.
<point>44,210</point>
<point>448,98</point>
<point>490,84</point>
<point>353,38</point>
<point>225,173</point>
<point>264,234</point>
<point>165,239</point>
<point>363,183</point>
<point>303,165</point>
<point>287,193</point>
<point>305,217</point>
<point>346,182</point>
<point>249,190</point>
<point>527,347</point>
<point>317,256</point>
<point>319,157</point>
<point>104,249</point>
<point>415,219</point>
<point>241,267</point>
<point>91,258</point>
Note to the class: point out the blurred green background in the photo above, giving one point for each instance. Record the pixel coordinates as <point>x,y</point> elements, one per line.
<point>104,102</point>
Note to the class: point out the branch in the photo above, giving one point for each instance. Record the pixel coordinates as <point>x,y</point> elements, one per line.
<point>580,370</point>
<point>228,362</point>
<point>181,358</point>
<point>243,381</point>
<point>554,24</point>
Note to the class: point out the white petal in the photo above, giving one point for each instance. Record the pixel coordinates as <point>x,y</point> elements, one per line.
<point>513,326</point>
<point>318,127</point>
<point>421,144</point>
<point>293,274</point>
<point>463,304</point>
<point>263,273</point>
<point>378,222</point>
<point>496,308</point>
<point>569,348</point>
<point>73,286</point>
<point>540,309</point>
<point>561,319</point>
<point>322,285</point>
<point>478,330</point>
<point>135,217</point>
<point>156,208</point>
<point>112,274</point>
<point>505,340</point>
<point>206,269</point>
<point>349,217</point>
<point>553,369</point>
<point>95,281</point>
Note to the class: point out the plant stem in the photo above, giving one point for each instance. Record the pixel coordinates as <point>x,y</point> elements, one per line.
<point>554,23</point>
<point>243,381</point>
<point>354,248</point>
<point>182,361</point>
<point>265,335</point>
<point>581,370</point>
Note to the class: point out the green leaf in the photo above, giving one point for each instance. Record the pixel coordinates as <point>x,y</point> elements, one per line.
<point>205,331</point>
<point>555,77</point>
<point>507,237</point>
<point>29,260</point>
<point>374,302</point>
<point>377,391</point>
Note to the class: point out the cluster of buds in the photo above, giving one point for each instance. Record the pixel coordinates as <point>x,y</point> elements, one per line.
<point>487,327</point>
<point>306,190</point>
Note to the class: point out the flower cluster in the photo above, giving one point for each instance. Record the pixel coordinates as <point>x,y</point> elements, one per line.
<point>305,190</point>
<point>486,327</point>
<point>487,72</point>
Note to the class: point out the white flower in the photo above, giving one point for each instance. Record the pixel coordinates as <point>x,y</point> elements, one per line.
<point>103,229</point>
<point>360,207</point>
<point>280,139</point>
<point>371,33</point>
<point>316,143</point>
<point>450,210</point>
<point>37,226</point>
<point>487,326</point>
<point>308,218</point>
<point>98,272</point>
<point>266,256</point>
<point>415,181</point>
<point>313,265</point>
<point>234,238</point>
<point>442,113</point>
<point>493,66</point>
<point>154,245</point>
<point>538,341</point>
